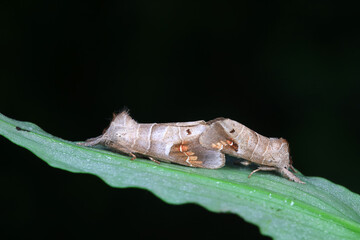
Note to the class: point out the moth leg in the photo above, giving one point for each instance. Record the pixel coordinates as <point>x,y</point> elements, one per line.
<point>125,150</point>
<point>133,157</point>
<point>121,149</point>
<point>245,163</point>
<point>291,165</point>
<point>289,175</point>
<point>241,162</point>
<point>154,160</point>
<point>262,169</point>
<point>293,169</point>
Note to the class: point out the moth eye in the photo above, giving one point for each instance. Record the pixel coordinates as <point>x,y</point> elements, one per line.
<point>188,131</point>
<point>232,131</point>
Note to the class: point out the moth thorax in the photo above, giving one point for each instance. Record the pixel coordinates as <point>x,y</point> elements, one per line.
<point>121,129</point>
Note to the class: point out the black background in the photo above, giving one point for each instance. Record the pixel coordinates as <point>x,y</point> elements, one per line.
<point>283,69</point>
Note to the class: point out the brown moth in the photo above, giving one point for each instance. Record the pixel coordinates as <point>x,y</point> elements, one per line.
<point>167,142</point>
<point>233,138</point>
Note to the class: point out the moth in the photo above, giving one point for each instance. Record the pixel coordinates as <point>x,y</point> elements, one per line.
<point>167,142</point>
<point>230,137</point>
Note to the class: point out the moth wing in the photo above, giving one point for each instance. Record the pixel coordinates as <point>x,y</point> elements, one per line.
<point>215,137</point>
<point>186,124</point>
<point>191,153</point>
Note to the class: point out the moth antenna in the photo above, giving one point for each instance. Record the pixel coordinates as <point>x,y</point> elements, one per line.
<point>291,165</point>
<point>291,161</point>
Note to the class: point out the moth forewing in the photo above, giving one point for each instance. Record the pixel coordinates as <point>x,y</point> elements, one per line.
<point>235,139</point>
<point>168,142</point>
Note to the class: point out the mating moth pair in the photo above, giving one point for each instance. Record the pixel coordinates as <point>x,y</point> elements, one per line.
<point>196,144</point>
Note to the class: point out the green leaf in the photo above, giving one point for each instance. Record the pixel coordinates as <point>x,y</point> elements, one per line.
<point>282,209</point>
